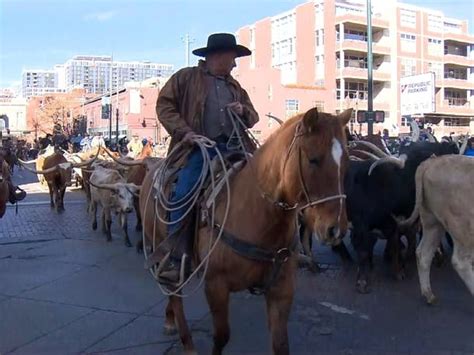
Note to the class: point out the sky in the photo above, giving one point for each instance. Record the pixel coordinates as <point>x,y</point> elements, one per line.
<point>37,34</point>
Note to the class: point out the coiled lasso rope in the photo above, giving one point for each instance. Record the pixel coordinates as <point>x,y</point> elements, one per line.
<point>188,202</point>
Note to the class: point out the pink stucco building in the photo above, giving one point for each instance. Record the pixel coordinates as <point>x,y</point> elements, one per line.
<point>316,55</point>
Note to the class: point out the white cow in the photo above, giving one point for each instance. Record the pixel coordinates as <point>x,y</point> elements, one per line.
<point>110,190</point>
<point>444,202</point>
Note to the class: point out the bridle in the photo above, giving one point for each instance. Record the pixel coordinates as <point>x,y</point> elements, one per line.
<point>309,201</point>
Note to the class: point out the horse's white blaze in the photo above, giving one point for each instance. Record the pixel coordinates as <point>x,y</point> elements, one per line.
<point>336,151</point>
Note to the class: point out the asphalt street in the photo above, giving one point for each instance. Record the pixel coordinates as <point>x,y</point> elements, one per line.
<point>65,290</point>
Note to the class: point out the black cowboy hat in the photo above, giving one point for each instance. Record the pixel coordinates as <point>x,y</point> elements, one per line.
<point>218,42</point>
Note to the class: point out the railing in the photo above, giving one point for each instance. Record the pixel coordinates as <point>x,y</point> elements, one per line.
<point>456,101</point>
<point>454,75</point>
<point>454,51</point>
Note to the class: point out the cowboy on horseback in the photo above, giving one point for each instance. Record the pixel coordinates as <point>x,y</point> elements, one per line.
<point>197,101</point>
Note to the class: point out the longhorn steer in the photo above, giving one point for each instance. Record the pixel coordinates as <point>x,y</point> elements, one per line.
<point>57,173</point>
<point>110,190</point>
<point>442,208</point>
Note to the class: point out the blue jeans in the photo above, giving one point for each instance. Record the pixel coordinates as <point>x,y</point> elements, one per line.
<point>187,178</point>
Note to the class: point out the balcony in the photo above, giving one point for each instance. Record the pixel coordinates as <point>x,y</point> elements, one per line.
<point>362,104</point>
<point>455,105</point>
<point>377,23</point>
<point>457,59</point>
<point>356,45</point>
<point>456,81</point>
<point>463,38</point>
<point>357,69</point>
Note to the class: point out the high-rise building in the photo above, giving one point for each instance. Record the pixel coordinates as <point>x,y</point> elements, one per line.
<point>97,74</point>
<point>36,82</point>
<point>315,55</point>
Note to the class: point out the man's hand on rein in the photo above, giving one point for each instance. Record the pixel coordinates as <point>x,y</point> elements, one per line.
<point>188,138</point>
<point>236,107</point>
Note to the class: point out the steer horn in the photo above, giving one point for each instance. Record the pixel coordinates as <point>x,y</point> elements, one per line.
<point>400,162</point>
<point>85,163</point>
<point>34,171</point>
<point>368,154</point>
<point>375,149</point>
<point>131,186</point>
<point>431,138</point>
<point>125,162</point>
<point>415,134</point>
<point>463,146</point>
<point>280,122</point>
<point>110,187</point>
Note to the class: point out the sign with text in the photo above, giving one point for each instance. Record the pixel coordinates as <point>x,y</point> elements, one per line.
<point>417,94</point>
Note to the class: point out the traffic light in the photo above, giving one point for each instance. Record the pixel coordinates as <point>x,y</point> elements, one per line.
<point>366,116</point>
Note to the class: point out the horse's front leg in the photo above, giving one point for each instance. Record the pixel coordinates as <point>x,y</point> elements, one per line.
<point>182,325</point>
<point>279,300</point>
<point>218,298</point>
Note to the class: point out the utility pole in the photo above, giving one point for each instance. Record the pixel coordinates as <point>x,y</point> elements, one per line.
<point>187,44</point>
<point>117,114</point>
<point>110,104</point>
<point>370,102</point>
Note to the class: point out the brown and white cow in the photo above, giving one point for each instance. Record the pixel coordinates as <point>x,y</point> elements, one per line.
<point>57,173</point>
<point>110,189</point>
<point>444,198</point>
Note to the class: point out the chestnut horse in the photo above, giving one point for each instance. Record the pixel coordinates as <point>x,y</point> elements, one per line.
<point>301,165</point>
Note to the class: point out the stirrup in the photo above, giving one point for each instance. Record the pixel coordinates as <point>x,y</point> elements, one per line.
<point>181,275</point>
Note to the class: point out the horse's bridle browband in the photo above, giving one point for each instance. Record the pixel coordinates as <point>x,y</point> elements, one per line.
<point>310,203</point>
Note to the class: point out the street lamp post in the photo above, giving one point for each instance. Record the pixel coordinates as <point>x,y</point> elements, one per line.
<point>370,103</point>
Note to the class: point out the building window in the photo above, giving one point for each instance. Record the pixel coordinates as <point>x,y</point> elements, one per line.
<point>319,105</point>
<point>356,90</point>
<point>407,18</point>
<point>355,35</point>
<point>408,67</point>
<point>434,23</point>
<point>435,46</point>
<point>408,42</point>
<point>455,73</point>
<point>291,107</point>
<point>436,68</point>
<point>452,27</point>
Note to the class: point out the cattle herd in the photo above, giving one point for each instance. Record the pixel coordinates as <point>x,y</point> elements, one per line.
<point>424,191</point>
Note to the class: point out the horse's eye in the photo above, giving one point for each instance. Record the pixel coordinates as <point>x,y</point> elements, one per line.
<point>314,161</point>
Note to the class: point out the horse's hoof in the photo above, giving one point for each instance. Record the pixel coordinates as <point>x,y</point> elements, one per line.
<point>170,330</point>
<point>431,299</point>
<point>314,267</point>
<point>94,226</point>
<point>128,244</point>
<point>139,247</point>
<point>362,286</point>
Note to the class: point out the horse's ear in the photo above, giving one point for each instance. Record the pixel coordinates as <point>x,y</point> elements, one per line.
<point>310,119</point>
<point>345,116</point>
